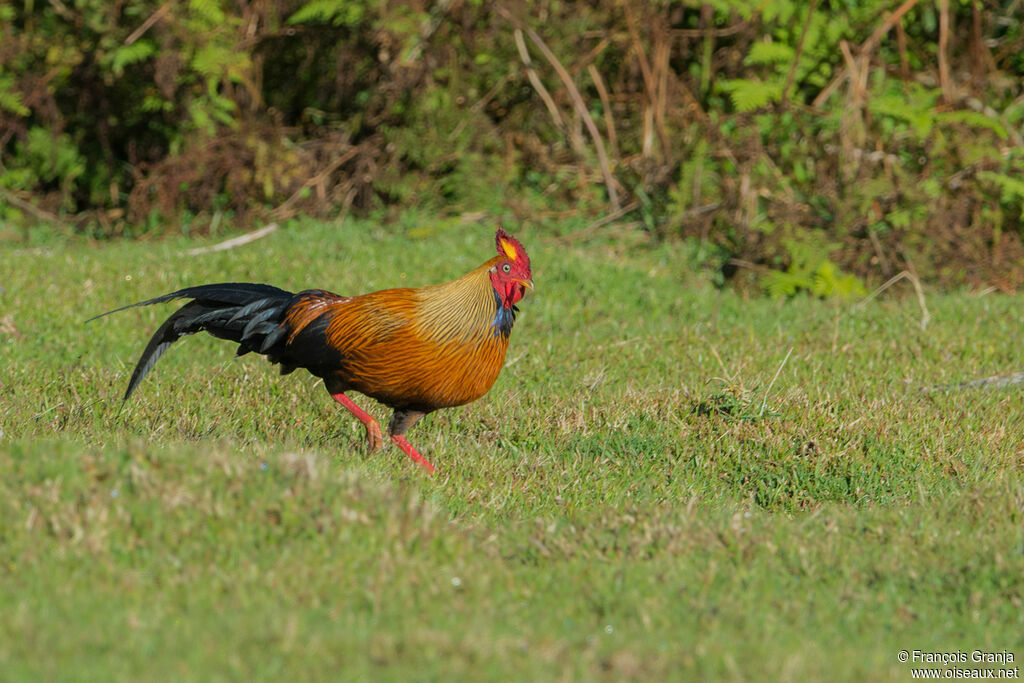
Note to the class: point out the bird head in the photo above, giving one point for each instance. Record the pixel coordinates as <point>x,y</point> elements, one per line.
<point>510,272</point>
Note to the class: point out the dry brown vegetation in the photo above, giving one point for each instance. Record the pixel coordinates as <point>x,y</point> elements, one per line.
<point>795,143</point>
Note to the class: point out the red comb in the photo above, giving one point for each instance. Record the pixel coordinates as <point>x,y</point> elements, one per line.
<point>509,247</point>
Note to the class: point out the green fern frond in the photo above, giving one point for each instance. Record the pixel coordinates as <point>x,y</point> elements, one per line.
<point>784,284</point>
<point>125,55</point>
<point>1011,189</point>
<point>975,119</point>
<point>155,103</point>
<point>917,109</point>
<point>738,8</point>
<point>824,280</point>
<point>899,218</point>
<point>336,12</point>
<point>781,11</point>
<point>769,53</point>
<point>748,95</point>
<point>209,10</point>
<point>216,60</point>
<point>810,270</point>
<point>9,99</point>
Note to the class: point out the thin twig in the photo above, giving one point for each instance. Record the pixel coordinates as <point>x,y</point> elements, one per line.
<point>606,105</point>
<point>764,401</point>
<point>613,216</point>
<point>901,45</point>
<point>879,252</point>
<point>650,82</point>
<point>588,59</point>
<point>695,211</point>
<point>915,281</point>
<point>282,209</point>
<point>866,48</point>
<point>714,32</point>
<point>728,377</point>
<point>750,265</point>
<point>853,68</point>
<point>799,50</point>
<point>41,214</point>
<point>148,23</point>
<point>581,109</point>
<point>992,382</point>
<point>599,223</point>
<point>662,53</point>
<point>829,89</point>
<point>62,9</point>
<point>545,96</point>
<point>235,241</point>
<point>479,104</point>
<point>48,410</point>
<point>489,95</point>
<point>944,78</point>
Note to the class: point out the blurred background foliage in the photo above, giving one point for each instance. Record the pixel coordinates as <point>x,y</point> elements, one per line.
<point>818,146</point>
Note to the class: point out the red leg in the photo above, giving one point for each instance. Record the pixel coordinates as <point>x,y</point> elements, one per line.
<point>374,438</point>
<point>407,448</point>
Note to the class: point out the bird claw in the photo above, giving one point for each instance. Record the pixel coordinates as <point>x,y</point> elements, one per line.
<point>374,437</point>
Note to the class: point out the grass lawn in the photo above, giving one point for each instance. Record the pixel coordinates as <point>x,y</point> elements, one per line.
<point>666,482</point>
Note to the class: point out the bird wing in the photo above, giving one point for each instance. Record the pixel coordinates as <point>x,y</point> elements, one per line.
<point>329,331</point>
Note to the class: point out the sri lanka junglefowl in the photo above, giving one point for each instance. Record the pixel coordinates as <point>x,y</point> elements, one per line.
<point>413,349</point>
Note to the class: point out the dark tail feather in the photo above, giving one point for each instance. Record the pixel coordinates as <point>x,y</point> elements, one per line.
<point>249,314</point>
<point>166,334</point>
<point>240,293</point>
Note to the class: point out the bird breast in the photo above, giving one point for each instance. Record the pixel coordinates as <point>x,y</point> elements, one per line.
<point>428,348</point>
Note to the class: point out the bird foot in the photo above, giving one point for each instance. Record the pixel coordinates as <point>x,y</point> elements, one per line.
<point>374,437</point>
<point>407,448</point>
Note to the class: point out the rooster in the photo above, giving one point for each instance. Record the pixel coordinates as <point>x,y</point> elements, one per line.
<point>414,350</point>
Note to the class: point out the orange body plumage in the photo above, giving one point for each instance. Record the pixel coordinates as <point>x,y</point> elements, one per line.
<point>413,349</point>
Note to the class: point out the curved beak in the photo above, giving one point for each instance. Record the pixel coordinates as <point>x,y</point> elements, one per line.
<point>526,283</point>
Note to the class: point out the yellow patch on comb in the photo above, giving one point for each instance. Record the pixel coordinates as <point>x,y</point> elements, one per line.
<point>509,249</point>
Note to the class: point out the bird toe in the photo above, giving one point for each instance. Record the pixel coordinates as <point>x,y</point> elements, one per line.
<point>374,438</point>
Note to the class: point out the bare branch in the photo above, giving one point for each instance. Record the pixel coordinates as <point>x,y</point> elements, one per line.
<point>799,50</point>
<point>545,96</point>
<point>235,241</point>
<point>577,99</point>
<point>606,104</point>
<point>148,23</point>
<point>867,47</point>
<point>944,78</point>
<point>581,109</point>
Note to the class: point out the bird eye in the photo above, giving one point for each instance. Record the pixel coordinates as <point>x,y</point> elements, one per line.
<point>505,268</point>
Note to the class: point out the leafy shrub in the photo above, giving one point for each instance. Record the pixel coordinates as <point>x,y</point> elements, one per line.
<point>749,128</point>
